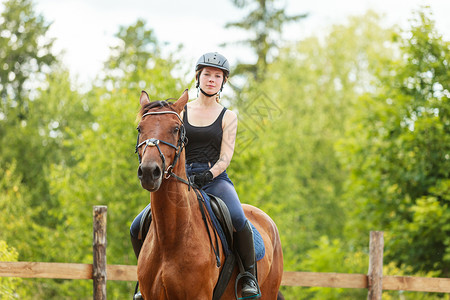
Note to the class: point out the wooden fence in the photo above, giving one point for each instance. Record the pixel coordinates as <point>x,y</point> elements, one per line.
<point>100,271</point>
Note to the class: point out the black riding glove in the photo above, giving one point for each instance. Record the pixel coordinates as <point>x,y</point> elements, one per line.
<point>201,179</point>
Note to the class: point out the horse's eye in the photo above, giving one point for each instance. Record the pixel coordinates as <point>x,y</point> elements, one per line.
<point>176,130</point>
<point>138,129</point>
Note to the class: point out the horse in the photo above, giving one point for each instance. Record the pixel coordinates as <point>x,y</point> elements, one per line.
<point>177,259</point>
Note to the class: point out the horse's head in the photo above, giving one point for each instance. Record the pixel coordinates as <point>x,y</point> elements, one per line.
<point>161,139</point>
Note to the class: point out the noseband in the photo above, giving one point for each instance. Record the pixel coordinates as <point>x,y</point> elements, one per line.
<point>182,140</point>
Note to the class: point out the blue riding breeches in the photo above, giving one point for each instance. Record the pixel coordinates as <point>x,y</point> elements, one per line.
<point>221,186</point>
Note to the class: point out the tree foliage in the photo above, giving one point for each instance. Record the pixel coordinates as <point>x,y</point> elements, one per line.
<point>289,165</point>
<point>25,56</point>
<point>265,22</point>
<point>398,152</point>
<point>8,285</point>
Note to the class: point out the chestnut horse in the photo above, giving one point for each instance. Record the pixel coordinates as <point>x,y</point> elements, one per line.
<point>177,259</point>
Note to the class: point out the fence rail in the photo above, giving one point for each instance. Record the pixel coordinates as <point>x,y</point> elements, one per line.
<point>374,281</point>
<point>305,279</point>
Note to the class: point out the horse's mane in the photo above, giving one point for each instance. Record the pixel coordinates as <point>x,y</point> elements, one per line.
<point>155,104</point>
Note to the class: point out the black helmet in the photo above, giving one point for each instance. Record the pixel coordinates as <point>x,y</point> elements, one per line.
<point>213,59</point>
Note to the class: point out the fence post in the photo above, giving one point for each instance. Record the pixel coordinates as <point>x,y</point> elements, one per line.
<point>375,274</point>
<point>99,248</point>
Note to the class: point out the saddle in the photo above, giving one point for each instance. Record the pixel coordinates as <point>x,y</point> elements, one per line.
<point>144,225</point>
<point>219,209</point>
<point>222,214</point>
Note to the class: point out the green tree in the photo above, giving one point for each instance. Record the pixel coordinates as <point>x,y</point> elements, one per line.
<point>33,213</point>
<point>334,253</point>
<point>288,127</point>
<point>265,22</point>
<point>30,125</point>
<point>25,56</point>
<point>13,221</point>
<point>398,153</point>
<point>8,286</point>
<point>39,112</point>
<point>55,115</point>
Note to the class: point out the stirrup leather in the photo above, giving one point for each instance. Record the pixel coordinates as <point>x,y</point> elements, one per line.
<point>137,294</point>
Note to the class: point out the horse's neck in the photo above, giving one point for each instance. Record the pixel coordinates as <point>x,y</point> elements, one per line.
<point>173,208</point>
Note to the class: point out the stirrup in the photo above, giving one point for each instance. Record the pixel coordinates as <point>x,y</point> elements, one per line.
<point>137,294</point>
<point>252,278</point>
<point>249,289</point>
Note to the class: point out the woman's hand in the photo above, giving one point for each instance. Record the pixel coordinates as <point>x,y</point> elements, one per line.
<point>201,179</point>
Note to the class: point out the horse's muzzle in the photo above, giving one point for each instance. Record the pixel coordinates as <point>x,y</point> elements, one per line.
<point>150,175</point>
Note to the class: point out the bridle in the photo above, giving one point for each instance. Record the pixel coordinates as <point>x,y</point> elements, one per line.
<point>153,142</point>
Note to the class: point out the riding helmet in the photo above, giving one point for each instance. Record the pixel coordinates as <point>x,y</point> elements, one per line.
<point>213,59</point>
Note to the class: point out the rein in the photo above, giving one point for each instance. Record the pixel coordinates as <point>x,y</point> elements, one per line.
<point>182,141</point>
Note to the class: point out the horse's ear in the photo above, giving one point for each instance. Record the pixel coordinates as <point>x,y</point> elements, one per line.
<point>144,98</point>
<point>181,102</point>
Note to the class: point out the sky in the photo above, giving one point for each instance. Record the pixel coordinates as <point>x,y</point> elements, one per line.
<point>85,29</point>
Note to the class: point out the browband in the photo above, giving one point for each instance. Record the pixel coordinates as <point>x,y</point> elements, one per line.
<point>162,112</point>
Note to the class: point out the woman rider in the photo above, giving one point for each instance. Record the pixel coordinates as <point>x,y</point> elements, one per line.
<point>211,132</point>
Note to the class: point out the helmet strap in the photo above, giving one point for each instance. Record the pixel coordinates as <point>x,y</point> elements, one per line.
<point>206,94</point>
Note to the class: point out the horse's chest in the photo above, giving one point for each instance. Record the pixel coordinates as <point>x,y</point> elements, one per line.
<point>178,280</point>
<point>178,271</point>
<point>181,268</point>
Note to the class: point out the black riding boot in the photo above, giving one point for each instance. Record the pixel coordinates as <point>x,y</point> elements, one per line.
<point>246,250</point>
<point>138,242</point>
<point>137,245</point>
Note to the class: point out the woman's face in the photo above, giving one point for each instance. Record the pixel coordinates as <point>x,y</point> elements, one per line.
<point>211,80</point>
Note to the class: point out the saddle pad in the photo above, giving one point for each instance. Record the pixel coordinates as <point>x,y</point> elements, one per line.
<point>260,249</point>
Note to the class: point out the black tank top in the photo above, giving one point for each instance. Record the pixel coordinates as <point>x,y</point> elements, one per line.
<point>204,142</point>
